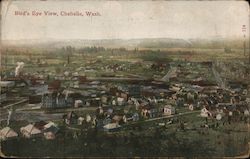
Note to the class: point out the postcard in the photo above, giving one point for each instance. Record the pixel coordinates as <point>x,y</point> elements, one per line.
<point>108,79</point>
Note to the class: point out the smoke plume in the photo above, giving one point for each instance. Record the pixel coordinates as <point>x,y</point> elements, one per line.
<point>19,68</point>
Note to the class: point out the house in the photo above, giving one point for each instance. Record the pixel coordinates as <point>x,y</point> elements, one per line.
<point>49,125</point>
<point>149,111</point>
<point>126,118</point>
<point>205,112</point>
<point>111,127</point>
<point>124,95</point>
<point>30,131</point>
<point>7,133</point>
<point>104,99</point>
<point>120,101</point>
<point>130,117</point>
<point>191,107</point>
<point>246,113</point>
<point>50,131</point>
<point>113,102</point>
<point>80,121</point>
<point>135,117</point>
<point>118,119</point>
<point>88,118</point>
<point>168,110</point>
<point>78,103</point>
<point>218,116</point>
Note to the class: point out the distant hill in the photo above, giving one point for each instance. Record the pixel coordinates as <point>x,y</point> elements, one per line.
<point>130,43</point>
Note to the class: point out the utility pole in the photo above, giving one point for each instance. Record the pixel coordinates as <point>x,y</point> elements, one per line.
<point>248,41</point>
<point>244,43</point>
<point>244,36</point>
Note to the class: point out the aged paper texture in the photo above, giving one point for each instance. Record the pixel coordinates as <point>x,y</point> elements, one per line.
<point>124,79</point>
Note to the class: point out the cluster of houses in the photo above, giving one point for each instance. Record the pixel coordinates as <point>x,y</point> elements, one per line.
<point>48,130</point>
<point>110,118</point>
<point>150,99</point>
<point>118,103</point>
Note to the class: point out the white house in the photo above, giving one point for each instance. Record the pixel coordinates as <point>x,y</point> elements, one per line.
<point>204,112</point>
<point>78,103</point>
<point>191,107</point>
<point>120,101</point>
<point>30,131</point>
<point>168,110</point>
<point>7,133</point>
<point>80,120</point>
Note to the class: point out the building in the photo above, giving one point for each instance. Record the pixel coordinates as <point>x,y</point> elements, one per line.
<point>53,100</point>
<point>7,84</point>
<point>78,103</point>
<point>118,119</point>
<point>205,112</point>
<point>50,133</point>
<point>7,133</point>
<point>49,100</point>
<point>50,130</point>
<point>149,111</point>
<point>121,101</point>
<point>30,131</point>
<point>168,110</point>
<point>111,127</point>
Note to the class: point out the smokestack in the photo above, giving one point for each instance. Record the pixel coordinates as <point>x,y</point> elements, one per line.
<point>19,68</point>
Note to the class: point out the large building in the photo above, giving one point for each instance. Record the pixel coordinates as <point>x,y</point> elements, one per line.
<point>54,100</point>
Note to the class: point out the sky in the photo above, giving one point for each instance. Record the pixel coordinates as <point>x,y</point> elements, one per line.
<point>125,19</point>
